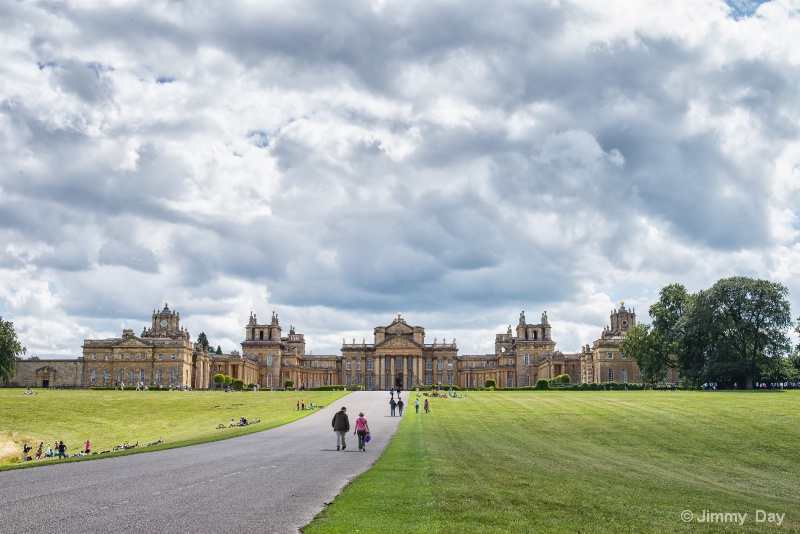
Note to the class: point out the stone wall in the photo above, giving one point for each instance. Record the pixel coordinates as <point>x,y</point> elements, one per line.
<point>48,373</point>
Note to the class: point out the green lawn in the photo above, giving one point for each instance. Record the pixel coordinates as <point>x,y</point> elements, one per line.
<point>562,461</point>
<point>109,418</point>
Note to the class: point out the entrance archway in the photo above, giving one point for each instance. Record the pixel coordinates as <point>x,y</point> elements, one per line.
<point>398,381</point>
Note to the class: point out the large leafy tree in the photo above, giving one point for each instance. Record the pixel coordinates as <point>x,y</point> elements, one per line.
<point>736,331</point>
<point>10,350</point>
<point>654,347</point>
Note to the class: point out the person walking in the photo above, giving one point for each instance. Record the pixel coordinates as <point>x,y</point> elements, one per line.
<point>392,407</point>
<point>427,406</point>
<point>400,405</point>
<point>88,447</point>
<point>362,429</point>
<point>416,405</point>
<point>341,425</point>
<point>62,450</point>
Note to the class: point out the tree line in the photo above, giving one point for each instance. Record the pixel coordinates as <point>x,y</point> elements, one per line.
<point>734,333</point>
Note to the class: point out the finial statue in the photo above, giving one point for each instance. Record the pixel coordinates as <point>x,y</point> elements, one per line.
<point>166,304</point>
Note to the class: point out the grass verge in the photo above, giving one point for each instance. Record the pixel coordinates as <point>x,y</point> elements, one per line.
<point>583,462</point>
<point>110,418</point>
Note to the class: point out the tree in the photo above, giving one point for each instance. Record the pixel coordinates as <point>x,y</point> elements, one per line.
<point>490,383</point>
<point>219,350</point>
<point>10,350</point>
<point>202,340</point>
<point>219,378</point>
<point>736,331</point>
<point>655,347</point>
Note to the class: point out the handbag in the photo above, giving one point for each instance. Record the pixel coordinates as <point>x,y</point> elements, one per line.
<point>367,437</point>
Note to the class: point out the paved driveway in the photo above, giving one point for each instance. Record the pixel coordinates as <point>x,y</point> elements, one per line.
<point>271,481</point>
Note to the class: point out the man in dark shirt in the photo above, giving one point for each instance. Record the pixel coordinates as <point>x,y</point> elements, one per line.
<point>341,425</point>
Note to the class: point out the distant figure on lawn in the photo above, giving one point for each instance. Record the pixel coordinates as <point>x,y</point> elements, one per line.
<point>25,450</point>
<point>62,450</point>
<point>39,451</point>
<point>362,429</point>
<point>400,404</point>
<point>427,406</point>
<point>341,425</point>
<point>416,405</point>
<point>88,447</point>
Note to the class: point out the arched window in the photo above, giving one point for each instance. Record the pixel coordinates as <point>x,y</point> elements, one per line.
<point>93,376</point>
<point>132,376</point>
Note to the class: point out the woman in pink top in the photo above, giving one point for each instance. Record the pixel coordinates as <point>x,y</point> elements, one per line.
<point>362,429</point>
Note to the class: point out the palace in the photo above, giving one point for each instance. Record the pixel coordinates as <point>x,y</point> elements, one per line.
<point>399,356</point>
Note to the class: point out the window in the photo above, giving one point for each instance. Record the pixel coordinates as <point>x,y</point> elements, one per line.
<point>410,363</point>
<point>269,361</point>
<point>610,375</point>
<point>526,360</point>
<point>348,367</point>
<point>325,365</point>
<point>141,375</point>
<point>358,365</point>
<point>369,364</point>
<point>439,379</point>
<point>388,364</point>
<point>317,382</point>
<point>172,376</point>
<point>94,356</point>
<point>527,380</point>
<point>132,376</point>
<point>105,357</point>
<point>317,363</point>
<point>472,365</point>
<point>510,382</point>
<point>439,364</point>
<point>105,375</point>
<point>121,355</point>
<point>172,357</point>
<point>429,378</point>
<point>369,382</point>
<point>610,355</point>
<point>449,364</point>
<point>428,365</point>
<point>450,380</point>
<point>624,375</point>
<point>347,380</point>
<point>160,356</point>
<point>398,364</point>
<point>160,375</point>
<point>269,379</point>
<point>142,356</point>
<point>93,375</point>
<point>621,355</point>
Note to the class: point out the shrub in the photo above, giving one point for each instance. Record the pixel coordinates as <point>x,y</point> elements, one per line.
<point>490,383</point>
<point>542,384</point>
<point>289,384</point>
<point>238,384</point>
<point>562,379</point>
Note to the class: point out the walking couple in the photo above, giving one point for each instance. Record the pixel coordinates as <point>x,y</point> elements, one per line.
<point>341,425</point>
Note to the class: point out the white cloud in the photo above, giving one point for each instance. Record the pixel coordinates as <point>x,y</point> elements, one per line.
<point>454,163</point>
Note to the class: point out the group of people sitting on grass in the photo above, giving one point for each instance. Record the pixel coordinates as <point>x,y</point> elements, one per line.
<point>59,451</point>
<point>301,405</point>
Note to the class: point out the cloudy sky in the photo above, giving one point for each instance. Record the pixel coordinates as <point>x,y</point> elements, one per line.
<point>340,162</point>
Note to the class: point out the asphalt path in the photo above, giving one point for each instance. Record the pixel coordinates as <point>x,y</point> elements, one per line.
<point>271,481</point>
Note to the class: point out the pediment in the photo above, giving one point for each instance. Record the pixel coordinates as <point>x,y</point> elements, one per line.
<point>399,328</point>
<point>398,342</point>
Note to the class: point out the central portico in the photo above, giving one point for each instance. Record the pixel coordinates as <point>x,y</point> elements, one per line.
<point>400,358</point>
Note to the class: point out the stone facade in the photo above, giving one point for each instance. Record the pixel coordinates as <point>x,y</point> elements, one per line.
<point>398,356</point>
